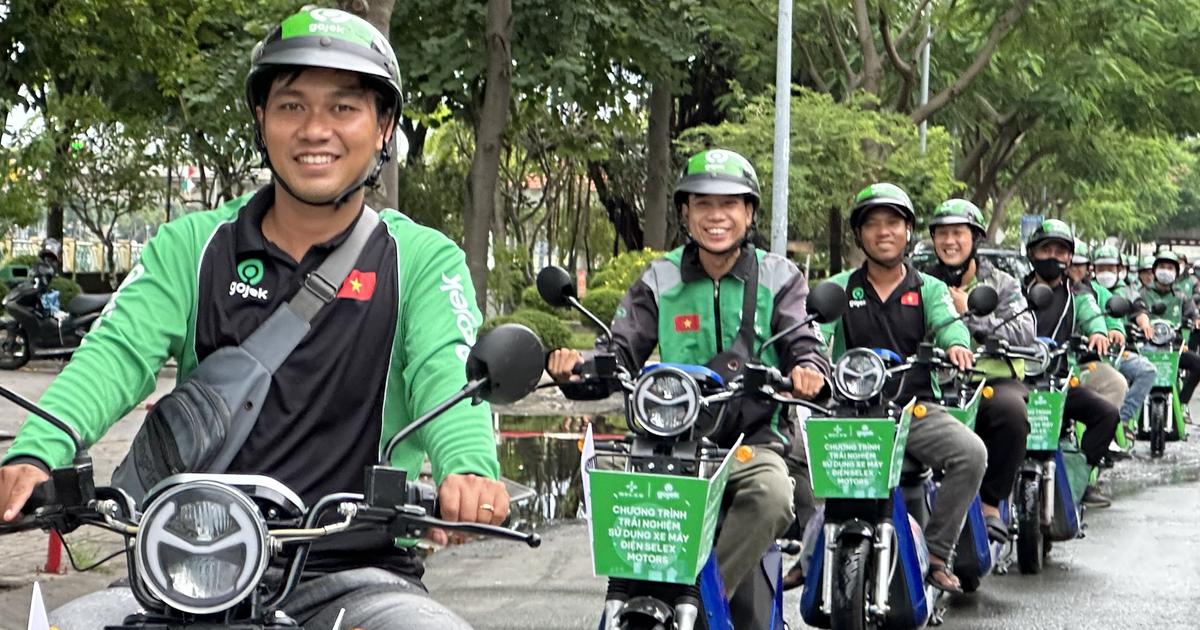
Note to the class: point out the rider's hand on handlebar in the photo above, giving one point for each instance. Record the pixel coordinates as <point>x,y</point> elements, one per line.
<point>1116,337</point>
<point>806,383</point>
<point>961,357</point>
<point>16,484</point>
<point>1147,330</point>
<point>1099,343</point>
<point>473,499</point>
<point>561,364</point>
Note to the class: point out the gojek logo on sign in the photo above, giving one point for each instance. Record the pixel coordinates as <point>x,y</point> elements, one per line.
<point>251,273</point>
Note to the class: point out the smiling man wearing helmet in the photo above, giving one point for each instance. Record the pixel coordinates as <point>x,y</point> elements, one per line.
<point>894,306</point>
<point>690,303</point>
<point>324,90</point>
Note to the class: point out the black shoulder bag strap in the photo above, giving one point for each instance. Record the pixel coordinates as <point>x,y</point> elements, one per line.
<point>744,343</point>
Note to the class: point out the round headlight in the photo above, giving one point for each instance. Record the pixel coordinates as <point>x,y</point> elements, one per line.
<point>201,547</point>
<point>1038,367</point>
<point>666,401</point>
<point>1163,334</point>
<point>860,374</point>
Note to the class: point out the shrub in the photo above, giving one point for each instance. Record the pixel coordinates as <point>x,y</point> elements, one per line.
<point>531,299</point>
<point>67,289</point>
<point>602,302</point>
<point>621,272</point>
<point>550,329</point>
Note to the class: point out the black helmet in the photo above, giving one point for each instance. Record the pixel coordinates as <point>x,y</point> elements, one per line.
<point>881,194</point>
<point>717,172</point>
<point>325,38</point>
<point>51,248</point>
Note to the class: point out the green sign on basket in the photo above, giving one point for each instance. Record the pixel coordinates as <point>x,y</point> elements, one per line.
<point>856,458</point>
<point>1045,419</point>
<point>658,528</point>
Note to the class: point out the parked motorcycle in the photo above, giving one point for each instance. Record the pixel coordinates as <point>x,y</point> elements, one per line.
<point>656,510</point>
<point>30,331</point>
<point>198,550</point>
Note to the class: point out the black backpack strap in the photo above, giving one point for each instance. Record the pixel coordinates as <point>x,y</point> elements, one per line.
<point>744,343</point>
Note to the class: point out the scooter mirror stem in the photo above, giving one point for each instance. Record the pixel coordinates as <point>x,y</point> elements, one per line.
<point>81,454</point>
<point>468,391</point>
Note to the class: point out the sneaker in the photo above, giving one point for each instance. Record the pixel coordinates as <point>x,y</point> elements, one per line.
<point>1093,498</point>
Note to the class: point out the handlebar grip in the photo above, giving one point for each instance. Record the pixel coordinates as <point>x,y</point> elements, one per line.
<point>784,384</point>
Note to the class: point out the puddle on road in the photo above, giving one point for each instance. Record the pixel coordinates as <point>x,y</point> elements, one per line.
<point>542,452</point>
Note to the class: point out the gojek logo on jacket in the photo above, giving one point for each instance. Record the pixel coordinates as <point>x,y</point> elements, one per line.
<point>251,273</point>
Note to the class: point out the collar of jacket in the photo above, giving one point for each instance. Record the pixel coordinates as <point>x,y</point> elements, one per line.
<point>691,270</point>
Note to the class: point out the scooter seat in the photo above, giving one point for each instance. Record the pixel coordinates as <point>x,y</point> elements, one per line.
<point>85,303</point>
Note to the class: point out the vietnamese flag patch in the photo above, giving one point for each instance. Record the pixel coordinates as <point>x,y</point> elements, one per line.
<point>912,298</point>
<point>359,285</point>
<point>687,323</point>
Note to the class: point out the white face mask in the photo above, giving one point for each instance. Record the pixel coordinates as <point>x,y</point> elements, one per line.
<point>1164,276</point>
<point>1107,279</point>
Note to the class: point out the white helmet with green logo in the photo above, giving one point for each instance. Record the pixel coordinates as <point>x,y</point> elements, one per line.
<point>958,212</point>
<point>881,194</point>
<point>1106,255</point>
<point>717,172</point>
<point>326,38</point>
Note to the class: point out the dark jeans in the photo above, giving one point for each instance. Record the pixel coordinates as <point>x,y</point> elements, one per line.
<point>1003,424</point>
<point>1098,415</point>
<point>1189,361</point>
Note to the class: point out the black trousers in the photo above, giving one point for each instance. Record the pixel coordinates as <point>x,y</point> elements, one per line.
<point>1098,415</point>
<point>1003,425</point>
<point>1189,361</point>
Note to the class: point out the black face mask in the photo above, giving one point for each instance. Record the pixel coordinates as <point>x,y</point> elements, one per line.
<point>1049,268</point>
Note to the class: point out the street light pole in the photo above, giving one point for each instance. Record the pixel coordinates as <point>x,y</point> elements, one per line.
<point>783,131</point>
<point>925,76</point>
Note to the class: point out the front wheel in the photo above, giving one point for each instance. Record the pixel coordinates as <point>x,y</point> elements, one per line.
<point>14,346</point>
<point>1158,426</point>
<point>852,561</point>
<point>1031,549</point>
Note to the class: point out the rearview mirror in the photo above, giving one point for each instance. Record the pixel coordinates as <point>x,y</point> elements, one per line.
<point>1159,308</point>
<point>511,359</point>
<point>827,301</point>
<point>1040,297</point>
<point>982,300</point>
<point>555,286</point>
<point>1117,306</point>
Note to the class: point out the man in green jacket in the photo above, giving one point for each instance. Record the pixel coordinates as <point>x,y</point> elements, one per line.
<point>690,303</point>
<point>893,306</point>
<point>388,346</point>
<point>1179,310</point>
<point>1072,311</point>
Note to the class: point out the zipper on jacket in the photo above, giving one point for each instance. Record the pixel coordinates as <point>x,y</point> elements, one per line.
<point>717,312</point>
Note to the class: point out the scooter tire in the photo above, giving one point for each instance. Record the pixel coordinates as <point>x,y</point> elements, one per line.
<point>852,560</point>
<point>1031,549</point>
<point>13,333</point>
<point>1158,428</point>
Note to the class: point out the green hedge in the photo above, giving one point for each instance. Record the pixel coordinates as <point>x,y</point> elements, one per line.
<point>551,330</point>
<point>67,289</point>
<point>603,303</point>
<point>531,299</point>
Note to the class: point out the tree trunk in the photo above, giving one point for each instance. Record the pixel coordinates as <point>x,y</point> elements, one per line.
<point>379,14</point>
<point>659,171</point>
<point>485,165</point>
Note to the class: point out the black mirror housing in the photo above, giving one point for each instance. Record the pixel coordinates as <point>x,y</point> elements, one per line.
<point>555,286</point>
<point>827,301</point>
<point>982,300</point>
<point>1040,297</point>
<point>511,359</point>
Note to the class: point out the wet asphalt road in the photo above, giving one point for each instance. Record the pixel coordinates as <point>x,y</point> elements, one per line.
<point>1137,567</point>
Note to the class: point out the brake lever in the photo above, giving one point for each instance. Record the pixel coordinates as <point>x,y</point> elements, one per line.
<point>414,522</point>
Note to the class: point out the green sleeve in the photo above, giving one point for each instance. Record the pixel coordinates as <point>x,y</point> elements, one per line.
<point>1089,319</point>
<point>436,323</point>
<point>146,321</point>
<point>939,309</point>
<point>833,332</point>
